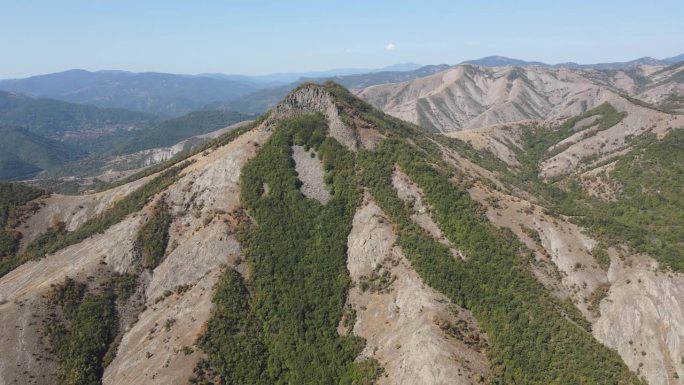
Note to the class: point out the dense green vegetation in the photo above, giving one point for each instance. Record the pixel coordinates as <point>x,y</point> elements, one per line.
<point>82,335</point>
<point>172,131</point>
<point>531,341</point>
<point>44,134</point>
<point>153,236</point>
<point>296,250</point>
<point>13,200</point>
<point>233,338</point>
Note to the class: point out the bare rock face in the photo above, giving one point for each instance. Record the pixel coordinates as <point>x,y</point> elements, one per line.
<point>642,318</point>
<point>310,172</point>
<point>573,272</point>
<point>405,322</point>
<point>665,89</point>
<point>158,349</point>
<point>500,140</point>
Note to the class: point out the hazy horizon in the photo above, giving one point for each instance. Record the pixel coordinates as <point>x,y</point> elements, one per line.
<point>273,37</point>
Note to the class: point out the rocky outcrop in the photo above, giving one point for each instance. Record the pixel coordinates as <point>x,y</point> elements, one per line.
<point>313,98</point>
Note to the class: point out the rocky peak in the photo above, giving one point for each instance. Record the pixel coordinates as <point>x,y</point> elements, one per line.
<point>317,98</point>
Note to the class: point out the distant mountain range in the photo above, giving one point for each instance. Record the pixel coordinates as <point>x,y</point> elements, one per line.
<point>500,61</point>
<point>160,93</point>
<point>157,93</point>
<point>261,100</point>
<point>171,131</point>
<point>289,77</point>
<point>172,95</point>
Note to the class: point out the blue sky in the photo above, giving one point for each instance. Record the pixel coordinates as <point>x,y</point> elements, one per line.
<point>258,37</point>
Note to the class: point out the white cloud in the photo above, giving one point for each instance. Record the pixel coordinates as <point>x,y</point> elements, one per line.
<point>390,47</point>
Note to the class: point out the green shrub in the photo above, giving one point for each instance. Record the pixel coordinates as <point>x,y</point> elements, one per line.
<point>233,338</point>
<point>81,340</point>
<point>153,236</point>
<point>14,198</point>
